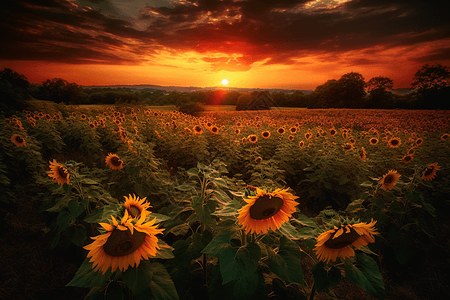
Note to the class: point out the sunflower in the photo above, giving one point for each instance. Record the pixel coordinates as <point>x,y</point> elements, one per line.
<point>389,180</point>
<point>58,173</point>
<point>291,137</point>
<point>394,142</point>
<point>214,129</point>
<point>333,132</point>
<point>373,141</point>
<point>407,158</point>
<point>136,207</point>
<point>114,161</point>
<point>83,117</point>
<point>308,135</point>
<point>124,245</point>
<point>281,130</point>
<point>293,130</point>
<point>266,211</point>
<point>198,129</point>
<point>430,171</point>
<point>336,242</point>
<point>252,138</point>
<point>265,134</point>
<point>18,140</point>
<point>301,144</point>
<point>258,159</point>
<point>237,131</point>
<point>445,136</point>
<point>418,142</point>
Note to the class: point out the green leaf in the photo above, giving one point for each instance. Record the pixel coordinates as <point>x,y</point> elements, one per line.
<point>184,187</point>
<point>162,286</point>
<point>138,279</point>
<point>159,217</point>
<point>75,208</point>
<point>325,278</point>
<point>286,263</point>
<point>245,288</point>
<point>305,221</point>
<point>77,234</point>
<point>192,172</point>
<point>164,251</point>
<point>290,231</point>
<point>430,208</point>
<point>220,182</point>
<point>355,205</point>
<point>88,181</point>
<point>228,210</point>
<point>218,242</point>
<point>395,207</point>
<point>366,184</point>
<point>63,219</point>
<point>86,277</point>
<point>103,214</point>
<point>203,209</point>
<point>365,273</point>
<point>238,263</point>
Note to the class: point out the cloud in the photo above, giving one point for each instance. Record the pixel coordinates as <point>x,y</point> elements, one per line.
<point>244,32</point>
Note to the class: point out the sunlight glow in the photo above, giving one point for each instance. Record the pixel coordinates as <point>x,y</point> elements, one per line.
<point>225,82</point>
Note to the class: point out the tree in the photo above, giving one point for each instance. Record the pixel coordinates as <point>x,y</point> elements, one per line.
<point>379,89</point>
<point>14,88</point>
<point>351,90</point>
<point>432,84</point>
<point>379,84</point>
<point>59,90</point>
<point>243,101</point>
<point>325,95</point>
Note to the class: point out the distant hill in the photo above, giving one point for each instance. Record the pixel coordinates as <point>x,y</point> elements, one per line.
<point>192,88</point>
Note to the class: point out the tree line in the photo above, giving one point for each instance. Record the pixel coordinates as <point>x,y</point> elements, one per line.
<point>430,90</point>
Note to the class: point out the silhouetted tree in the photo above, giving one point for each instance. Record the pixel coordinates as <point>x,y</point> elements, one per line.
<point>59,90</point>
<point>379,89</point>
<point>243,101</point>
<point>325,95</point>
<point>351,90</point>
<point>432,84</point>
<point>14,88</point>
<point>231,98</point>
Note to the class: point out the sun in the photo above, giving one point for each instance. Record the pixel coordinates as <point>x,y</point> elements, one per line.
<point>224,81</point>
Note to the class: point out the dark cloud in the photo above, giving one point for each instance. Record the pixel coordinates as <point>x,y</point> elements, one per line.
<point>276,32</point>
<point>442,54</point>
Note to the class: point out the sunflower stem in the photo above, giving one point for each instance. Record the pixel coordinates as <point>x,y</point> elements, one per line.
<point>313,291</point>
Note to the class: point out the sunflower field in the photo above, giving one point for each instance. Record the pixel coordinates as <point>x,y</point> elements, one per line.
<point>136,203</point>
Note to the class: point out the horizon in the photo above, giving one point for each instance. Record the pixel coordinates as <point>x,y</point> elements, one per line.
<point>251,44</point>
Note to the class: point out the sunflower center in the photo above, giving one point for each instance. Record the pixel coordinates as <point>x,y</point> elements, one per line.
<point>265,207</point>
<point>62,172</point>
<point>134,211</point>
<point>428,171</point>
<point>388,179</point>
<point>19,139</point>
<point>121,243</point>
<point>394,142</point>
<point>343,240</point>
<point>115,161</point>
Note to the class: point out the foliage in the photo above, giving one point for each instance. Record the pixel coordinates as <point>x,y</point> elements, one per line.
<point>197,172</point>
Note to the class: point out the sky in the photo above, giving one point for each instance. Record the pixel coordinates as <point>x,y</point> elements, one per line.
<point>253,44</point>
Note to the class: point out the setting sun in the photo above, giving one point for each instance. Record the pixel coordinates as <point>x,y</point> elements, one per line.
<point>225,82</point>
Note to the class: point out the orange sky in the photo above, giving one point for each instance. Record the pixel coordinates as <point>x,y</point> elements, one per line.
<point>253,44</point>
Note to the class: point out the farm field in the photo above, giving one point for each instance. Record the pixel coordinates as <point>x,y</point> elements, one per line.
<point>143,203</point>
